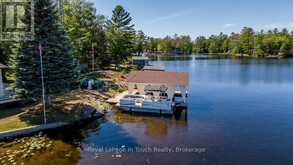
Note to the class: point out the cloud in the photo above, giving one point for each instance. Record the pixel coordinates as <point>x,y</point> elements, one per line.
<point>172,16</point>
<point>229,25</point>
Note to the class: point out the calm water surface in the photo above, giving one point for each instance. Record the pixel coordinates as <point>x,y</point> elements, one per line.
<point>240,112</point>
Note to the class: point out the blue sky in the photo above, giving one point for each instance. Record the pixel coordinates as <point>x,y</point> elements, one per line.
<point>159,18</point>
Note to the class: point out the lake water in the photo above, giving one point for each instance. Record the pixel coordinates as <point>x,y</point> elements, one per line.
<point>240,112</point>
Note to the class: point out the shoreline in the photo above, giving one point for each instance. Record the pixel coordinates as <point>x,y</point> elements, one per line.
<point>32,130</point>
<point>74,108</point>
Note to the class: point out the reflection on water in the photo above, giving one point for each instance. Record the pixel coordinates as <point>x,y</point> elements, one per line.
<point>154,126</point>
<point>239,111</point>
<point>172,58</point>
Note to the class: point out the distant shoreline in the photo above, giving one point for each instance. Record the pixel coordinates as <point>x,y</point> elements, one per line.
<point>221,55</point>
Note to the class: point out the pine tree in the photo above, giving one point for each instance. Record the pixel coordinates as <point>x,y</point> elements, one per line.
<point>120,34</point>
<point>140,42</point>
<point>86,32</point>
<point>247,40</point>
<point>60,72</point>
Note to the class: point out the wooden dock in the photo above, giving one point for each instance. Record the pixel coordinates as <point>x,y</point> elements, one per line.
<point>116,99</point>
<point>30,130</point>
<point>8,101</point>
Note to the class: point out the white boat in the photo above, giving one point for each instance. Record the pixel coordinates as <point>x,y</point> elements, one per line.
<point>145,104</point>
<point>179,100</point>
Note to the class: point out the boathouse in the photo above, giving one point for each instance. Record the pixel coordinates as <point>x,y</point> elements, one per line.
<point>140,60</point>
<point>1,80</point>
<point>158,83</point>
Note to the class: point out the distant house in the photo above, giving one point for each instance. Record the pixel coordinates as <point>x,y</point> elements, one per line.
<point>158,83</point>
<point>140,60</point>
<point>1,80</point>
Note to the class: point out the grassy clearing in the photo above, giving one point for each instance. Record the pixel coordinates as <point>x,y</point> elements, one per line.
<point>13,122</point>
<point>10,119</point>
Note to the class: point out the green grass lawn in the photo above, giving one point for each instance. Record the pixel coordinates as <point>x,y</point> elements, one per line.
<point>30,115</point>
<point>15,118</point>
<point>13,122</point>
<point>10,119</point>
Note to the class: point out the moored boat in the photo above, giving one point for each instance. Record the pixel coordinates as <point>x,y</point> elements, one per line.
<point>141,103</point>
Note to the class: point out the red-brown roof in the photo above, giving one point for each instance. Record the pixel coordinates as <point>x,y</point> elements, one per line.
<point>2,66</point>
<point>155,77</point>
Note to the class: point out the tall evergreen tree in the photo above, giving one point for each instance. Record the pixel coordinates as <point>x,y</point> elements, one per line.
<point>140,42</point>
<point>247,40</point>
<point>120,34</point>
<point>73,25</point>
<point>60,72</point>
<point>86,32</point>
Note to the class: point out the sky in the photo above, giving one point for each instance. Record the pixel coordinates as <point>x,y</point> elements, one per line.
<point>159,18</point>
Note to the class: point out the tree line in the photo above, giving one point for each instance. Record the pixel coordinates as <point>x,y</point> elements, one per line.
<point>248,43</point>
<point>271,43</point>
<point>168,45</point>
